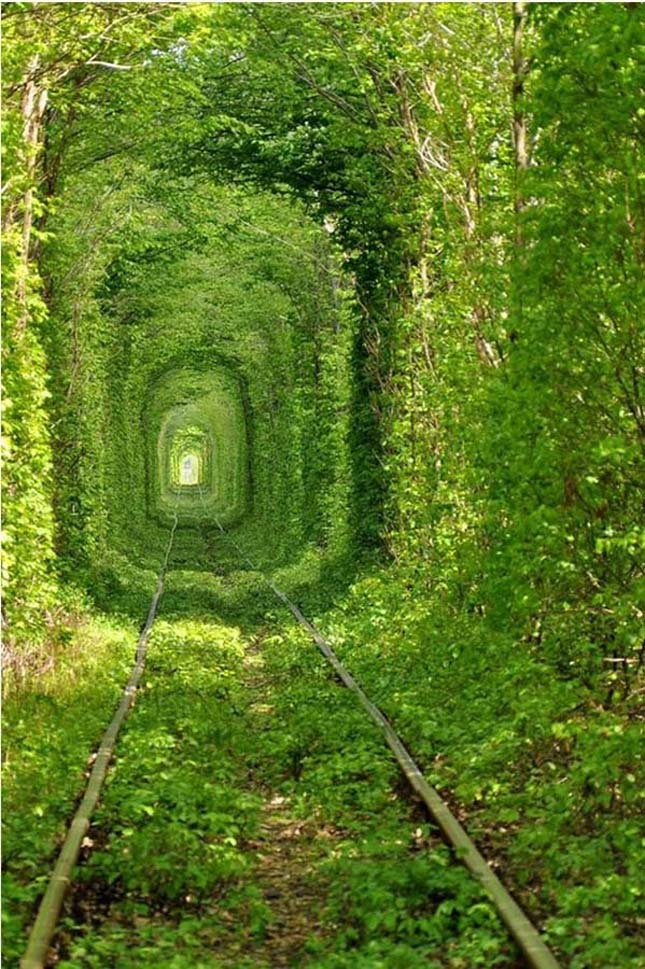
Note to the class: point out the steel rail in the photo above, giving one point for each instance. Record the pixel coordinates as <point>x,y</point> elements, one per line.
<point>44,927</point>
<point>525,934</point>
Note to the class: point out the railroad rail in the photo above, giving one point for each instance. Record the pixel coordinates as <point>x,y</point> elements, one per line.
<point>44,927</point>
<point>522,930</point>
<point>525,934</point>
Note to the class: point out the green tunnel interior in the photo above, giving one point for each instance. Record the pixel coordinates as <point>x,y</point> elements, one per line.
<point>222,392</point>
<point>197,447</point>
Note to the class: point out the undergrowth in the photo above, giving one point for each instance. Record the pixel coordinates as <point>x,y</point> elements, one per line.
<point>544,773</point>
<point>171,873</point>
<point>229,716</point>
<point>50,729</point>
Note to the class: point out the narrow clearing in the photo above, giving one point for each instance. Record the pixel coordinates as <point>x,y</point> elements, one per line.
<point>252,818</point>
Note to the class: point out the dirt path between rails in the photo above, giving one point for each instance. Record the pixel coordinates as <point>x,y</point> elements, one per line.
<point>288,848</point>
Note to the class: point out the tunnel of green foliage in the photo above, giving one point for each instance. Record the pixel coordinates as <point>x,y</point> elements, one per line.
<point>372,275</point>
<point>198,416</point>
<point>234,353</point>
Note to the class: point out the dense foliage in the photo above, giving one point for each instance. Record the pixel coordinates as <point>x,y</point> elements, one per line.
<point>379,267</point>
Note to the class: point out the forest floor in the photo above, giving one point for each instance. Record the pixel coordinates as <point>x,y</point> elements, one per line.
<point>251,817</point>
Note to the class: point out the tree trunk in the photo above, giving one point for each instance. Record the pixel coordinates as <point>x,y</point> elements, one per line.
<point>34,102</point>
<point>519,117</point>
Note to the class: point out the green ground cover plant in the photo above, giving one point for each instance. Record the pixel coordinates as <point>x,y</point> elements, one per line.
<point>50,730</point>
<point>173,862</point>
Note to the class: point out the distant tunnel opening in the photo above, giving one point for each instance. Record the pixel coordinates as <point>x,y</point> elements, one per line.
<point>190,473</point>
<point>198,447</point>
<point>189,458</point>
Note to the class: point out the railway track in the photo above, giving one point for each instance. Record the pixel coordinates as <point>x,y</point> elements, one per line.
<point>50,907</point>
<point>535,952</point>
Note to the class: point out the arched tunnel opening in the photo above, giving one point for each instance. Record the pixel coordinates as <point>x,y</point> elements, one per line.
<point>197,454</point>
<point>190,471</point>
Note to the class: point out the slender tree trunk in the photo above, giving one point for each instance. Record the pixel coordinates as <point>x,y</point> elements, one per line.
<point>34,102</point>
<point>471,206</point>
<point>519,117</point>
<point>520,144</point>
